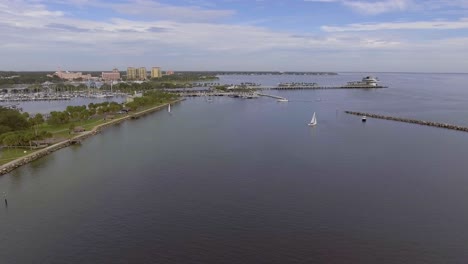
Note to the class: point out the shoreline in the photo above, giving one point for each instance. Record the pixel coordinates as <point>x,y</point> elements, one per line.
<point>16,163</point>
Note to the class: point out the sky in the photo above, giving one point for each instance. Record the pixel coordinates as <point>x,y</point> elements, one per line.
<point>234,35</point>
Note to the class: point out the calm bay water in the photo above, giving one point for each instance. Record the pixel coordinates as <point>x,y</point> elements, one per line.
<point>247,181</point>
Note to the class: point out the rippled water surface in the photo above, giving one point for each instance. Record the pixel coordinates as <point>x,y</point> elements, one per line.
<point>247,181</point>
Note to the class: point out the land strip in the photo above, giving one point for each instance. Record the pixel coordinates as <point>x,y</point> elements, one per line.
<point>8,167</point>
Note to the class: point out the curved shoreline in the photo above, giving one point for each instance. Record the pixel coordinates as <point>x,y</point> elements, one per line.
<point>10,166</point>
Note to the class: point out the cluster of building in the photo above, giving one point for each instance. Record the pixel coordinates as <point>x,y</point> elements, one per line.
<point>132,74</point>
<point>114,75</point>
<point>141,73</point>
<point>70,75</point>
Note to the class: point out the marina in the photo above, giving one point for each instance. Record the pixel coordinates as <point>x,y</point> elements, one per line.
<point>57,96</point>
<point>367,82</point>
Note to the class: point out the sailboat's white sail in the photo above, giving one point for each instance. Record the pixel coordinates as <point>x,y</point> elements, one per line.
<point>313,121</point>
<point>169,108</point>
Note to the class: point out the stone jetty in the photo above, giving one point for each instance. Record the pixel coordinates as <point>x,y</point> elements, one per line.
<point>412,121</point>
<point>8,167</point>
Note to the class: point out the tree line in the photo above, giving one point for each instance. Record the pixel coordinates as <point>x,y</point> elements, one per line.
<point>22,129</point>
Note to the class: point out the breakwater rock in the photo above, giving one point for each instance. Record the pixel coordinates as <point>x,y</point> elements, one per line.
<point>8,167</point>
<point>412,121</point>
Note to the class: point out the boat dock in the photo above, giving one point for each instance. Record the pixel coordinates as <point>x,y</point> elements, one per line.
<point>207,93</point>
<point>244,95</point>
<point>412,121</point>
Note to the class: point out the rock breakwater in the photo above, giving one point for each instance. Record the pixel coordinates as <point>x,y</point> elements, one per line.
<point>412,121</point>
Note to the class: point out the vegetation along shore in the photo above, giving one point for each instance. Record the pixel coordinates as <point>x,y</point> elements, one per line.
<point>26,138</point>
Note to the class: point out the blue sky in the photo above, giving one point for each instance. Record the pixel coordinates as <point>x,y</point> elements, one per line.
<point>282,35</point>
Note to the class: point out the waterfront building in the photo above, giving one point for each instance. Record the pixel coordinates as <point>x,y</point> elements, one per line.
<point>131,73</point>
<point>111,76</point>
<point>142,74</point>
<point>156,72</point>
<point>66,75</point>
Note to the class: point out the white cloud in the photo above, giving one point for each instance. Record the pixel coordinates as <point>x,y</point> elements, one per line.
<point>37,37</point>
<point>417,25</point>
<point>322,1</point>
<point>157,10</point>
<point>118,36</point>
<point>374,8</point>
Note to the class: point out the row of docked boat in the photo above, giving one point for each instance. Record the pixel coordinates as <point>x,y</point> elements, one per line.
<point>297,84</point>
<point>244,95</point>
<point>23,97</point>
<point>28,97</point>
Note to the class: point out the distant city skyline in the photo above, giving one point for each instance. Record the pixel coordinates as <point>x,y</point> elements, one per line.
<point>235,35</point>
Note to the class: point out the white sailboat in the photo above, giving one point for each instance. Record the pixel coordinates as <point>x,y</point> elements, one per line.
<point>169,108</point>
<point>313,121</point>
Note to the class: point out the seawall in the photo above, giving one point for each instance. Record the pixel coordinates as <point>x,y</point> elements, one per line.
<point>8,167</point>
<point>412,121</point>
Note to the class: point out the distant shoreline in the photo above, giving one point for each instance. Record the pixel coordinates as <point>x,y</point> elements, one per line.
<point>14,164</point>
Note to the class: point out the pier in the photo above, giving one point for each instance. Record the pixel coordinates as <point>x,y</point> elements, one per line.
<point>411,121</point>
<point>244,95</point>
<point>272,96</point>
<point>318,87</point>
<point>205,93</point>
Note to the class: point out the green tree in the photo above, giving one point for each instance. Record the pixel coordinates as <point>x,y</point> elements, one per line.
<point>57,118</point>
<point>36,121</point>
<point>12,120</point>
<point>11,140</point>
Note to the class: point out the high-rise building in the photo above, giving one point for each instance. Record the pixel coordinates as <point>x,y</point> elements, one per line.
<point>131,73</point>
<point>156,72</point>
<point>111,76</point>
<point>142,74</point>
